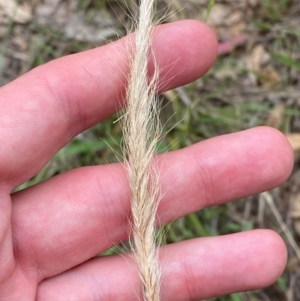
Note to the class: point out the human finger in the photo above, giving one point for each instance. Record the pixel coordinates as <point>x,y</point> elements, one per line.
<point>67,220</point>
<point>191,270</point>
<point>44,109</point>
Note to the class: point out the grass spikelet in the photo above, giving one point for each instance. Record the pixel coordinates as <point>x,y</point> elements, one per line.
<point>141,133</point>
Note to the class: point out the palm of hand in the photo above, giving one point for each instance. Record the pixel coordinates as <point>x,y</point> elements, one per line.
<point>50,232</point>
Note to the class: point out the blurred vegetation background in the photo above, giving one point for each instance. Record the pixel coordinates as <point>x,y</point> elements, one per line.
<point>255,81</point>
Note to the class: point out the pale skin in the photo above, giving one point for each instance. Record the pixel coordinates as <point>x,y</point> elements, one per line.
<point>49,233</point>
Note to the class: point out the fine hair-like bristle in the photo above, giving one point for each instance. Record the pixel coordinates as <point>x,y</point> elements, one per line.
<point>141,133</point>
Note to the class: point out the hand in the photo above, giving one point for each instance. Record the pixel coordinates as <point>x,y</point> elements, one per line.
<point>50,232</point>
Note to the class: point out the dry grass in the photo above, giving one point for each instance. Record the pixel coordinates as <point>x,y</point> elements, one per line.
<point>256,83</point>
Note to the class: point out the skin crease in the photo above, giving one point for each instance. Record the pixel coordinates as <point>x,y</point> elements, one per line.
<point>50,232</point>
